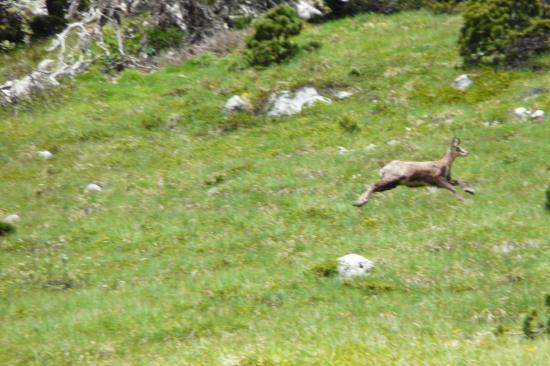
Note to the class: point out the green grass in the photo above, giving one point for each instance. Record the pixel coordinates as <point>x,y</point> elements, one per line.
<point>154,271</point>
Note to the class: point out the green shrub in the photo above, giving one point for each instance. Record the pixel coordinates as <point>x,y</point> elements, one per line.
<point>162,38</point>
<point>6,229</point>
<point>12,26</point>
<point>443,6</point>
<point>270,42</point>
<point>504,32</point>
<point>46,25</point>
<point>57,8</point>
<point>340,8</point>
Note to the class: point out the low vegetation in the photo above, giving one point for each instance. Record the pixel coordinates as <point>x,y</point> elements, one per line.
<point>213,239</point>
<point>504,32</point>
<point>270,43</point>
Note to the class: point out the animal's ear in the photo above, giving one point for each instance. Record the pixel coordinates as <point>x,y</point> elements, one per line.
<point>456,141</point>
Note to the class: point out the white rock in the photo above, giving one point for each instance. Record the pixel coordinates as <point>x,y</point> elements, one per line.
<point>22,88</point>
<point>353,265</point>
<point>342,94</point>
<point>393,142</point>
<point>212,191</point>
<point>93,187</point>
<point>12,219</point>
<point>342,150</point>
<point>236,103</point>
<point>46,155</point>
<point>45,66</point>
<point>307,11</point>
<point>432,190</point>
<point>462,82</point>
<point>538,114</point>
<point>370,147</point>
<point>285,104</point>
<point>521,112</point>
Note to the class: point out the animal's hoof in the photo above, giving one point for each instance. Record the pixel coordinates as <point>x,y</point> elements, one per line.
<point>358,203</point>
<point>470,190</point>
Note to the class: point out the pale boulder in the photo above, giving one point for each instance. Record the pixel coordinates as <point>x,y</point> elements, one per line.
<point>354,265</point>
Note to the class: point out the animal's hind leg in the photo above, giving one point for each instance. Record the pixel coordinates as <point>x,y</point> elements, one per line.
<point>377,187</point>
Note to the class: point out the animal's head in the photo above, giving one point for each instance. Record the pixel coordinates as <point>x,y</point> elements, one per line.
<point>456,150</point>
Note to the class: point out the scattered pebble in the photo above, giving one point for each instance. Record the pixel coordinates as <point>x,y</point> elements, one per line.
<point>342,150</point>
<point>432,190</point>
<point>353,265</point>
<point>462,82</point>
<point>393,142</point>
<point>46,155</point>
<point>212,191</point>
<point>342,94</point>
<point>538,115</point>
<point>93,187</point>
<point>236,103</point>
<point>521,112</point>
<point>12,219</point>
<point>370,147</point>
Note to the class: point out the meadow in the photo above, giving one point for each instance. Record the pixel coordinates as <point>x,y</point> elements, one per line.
<point>162,269</point>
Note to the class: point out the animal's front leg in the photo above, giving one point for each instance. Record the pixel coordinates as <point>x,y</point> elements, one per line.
<point>465,188</point>
<point>443,183</point>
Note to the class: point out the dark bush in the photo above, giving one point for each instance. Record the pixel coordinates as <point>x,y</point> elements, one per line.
<point>57,8</point>
<point>11,25</point>
<point>443,6</point>
<point>162,38</point>
<point>504,32</point>
<point>270,42</point>
<point>46,25</point>
<point>341,8</point>
<point>6,229</point>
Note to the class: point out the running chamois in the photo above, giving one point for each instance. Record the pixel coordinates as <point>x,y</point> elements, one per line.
<point>419,173</point>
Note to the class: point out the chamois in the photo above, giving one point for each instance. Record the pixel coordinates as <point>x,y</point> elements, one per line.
<point>419,173</point>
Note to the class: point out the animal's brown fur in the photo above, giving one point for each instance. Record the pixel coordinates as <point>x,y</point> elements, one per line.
<point>419,173</point>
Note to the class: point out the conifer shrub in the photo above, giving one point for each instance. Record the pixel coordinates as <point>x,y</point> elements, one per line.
<point>12,26</point>
<point>271,42</point>
<point>504,32</point>
<point>46,25</point>
<point>341,8</point>
<point>443,6</point>
<point>162,38</point>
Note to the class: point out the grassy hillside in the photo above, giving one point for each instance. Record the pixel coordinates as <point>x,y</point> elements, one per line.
<point>156,271</point>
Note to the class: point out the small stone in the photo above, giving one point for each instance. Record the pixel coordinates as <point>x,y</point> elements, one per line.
<point>353,265</point>
<point>370,147</point>
<point>286,103</point>
<point>538,115</point>
<point>342,94</point>
<point>307,11</point>
<point>236,103</point>
<point>12,219</point>
<point>432,190</point>
<point>212,191</point>
<point>393,142</point>
<point>462,82</point>
<point>521,112</point>
<point>46,155</point>
<point>93,187</point>
<point>342,150</point>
